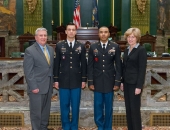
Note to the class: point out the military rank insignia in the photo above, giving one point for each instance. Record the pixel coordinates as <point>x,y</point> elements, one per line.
<point>63,50</point>
<point>78,49</point>
<point>112,51</point>
<point>95,51</point>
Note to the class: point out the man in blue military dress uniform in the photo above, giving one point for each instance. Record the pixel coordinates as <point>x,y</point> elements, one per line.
<point>104,76</point>
<point>70,68</point>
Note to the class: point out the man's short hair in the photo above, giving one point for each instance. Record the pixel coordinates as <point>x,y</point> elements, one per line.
<point>70,23</point>
<point>40,29</point>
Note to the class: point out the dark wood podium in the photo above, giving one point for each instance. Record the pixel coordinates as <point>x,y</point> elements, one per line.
<point>89,34</point>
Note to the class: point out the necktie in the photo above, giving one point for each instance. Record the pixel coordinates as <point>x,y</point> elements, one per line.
<point>103,47</point>
<point>46,54</point>
<point>70,46</point>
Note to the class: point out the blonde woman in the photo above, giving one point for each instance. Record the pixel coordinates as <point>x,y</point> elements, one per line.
<point>134,68</point>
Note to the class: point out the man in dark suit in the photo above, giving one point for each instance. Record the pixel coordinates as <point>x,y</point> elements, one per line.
<point>38,69</point>
<point>104,76</point>
<point>70,76</point>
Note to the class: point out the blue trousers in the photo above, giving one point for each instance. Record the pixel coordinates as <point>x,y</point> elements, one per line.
<point>103,110</point>
<point>70,98</point>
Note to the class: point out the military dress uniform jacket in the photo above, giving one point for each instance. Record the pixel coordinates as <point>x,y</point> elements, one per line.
<point>70,65</point>
<point>104,67</point>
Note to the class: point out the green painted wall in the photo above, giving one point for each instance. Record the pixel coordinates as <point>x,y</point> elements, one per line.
<point>19,17</point>
<point>104,7</point>
<point>68,7</point>
<point>47,15</point>
<point>126,9</point>
<point>86,12</point>
<point>56,12</point>
<point>153,17</point>
<point>117,14</point>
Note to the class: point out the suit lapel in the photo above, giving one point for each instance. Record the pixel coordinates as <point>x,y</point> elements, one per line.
<point>126,55</point>
<point>40,51</point>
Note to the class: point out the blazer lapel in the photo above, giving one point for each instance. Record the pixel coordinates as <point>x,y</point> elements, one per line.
<point>133,50</point>
<point>126,53</point>
<point>125,57</point>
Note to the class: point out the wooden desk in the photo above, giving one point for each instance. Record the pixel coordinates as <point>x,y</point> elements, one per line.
<point>158,58</point>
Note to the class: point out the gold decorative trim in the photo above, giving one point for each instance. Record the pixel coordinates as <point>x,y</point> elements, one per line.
<point>61,11</point>
<point>33,20</point>
<point>112,12</point>
<point>141,5</point>
<point>138,19</point>
<point>31,5</point>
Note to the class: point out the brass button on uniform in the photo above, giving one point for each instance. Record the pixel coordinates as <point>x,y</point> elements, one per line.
<point>70,66</point>
<point>103,55</point>
<point>103,70</point>
<point>70,62</point>
<point>70,57</point>
<point>103,60</point>
<point>70,52</point>
<point>103,65</point>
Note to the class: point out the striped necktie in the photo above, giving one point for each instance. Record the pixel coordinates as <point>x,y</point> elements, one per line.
<point>46,54</point>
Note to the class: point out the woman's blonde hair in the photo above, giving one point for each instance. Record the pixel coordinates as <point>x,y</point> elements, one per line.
<point>135,31</point>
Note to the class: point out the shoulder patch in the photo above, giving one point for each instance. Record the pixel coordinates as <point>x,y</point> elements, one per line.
<point>60,41</point>
<point>113,42</point>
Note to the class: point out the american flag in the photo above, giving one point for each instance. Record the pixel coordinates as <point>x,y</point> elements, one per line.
<point>76,16</point>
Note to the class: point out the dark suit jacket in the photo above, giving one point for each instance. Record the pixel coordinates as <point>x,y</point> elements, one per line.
<point>38,73</point>
<point>104,67</point>
<point>70,66</point>
<point>134,66</point>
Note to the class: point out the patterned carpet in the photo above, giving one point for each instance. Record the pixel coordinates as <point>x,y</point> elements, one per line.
<point>93,128</point>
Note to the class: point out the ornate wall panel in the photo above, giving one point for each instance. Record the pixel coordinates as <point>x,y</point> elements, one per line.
<point>33,19</point>
<point>139,18</point>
